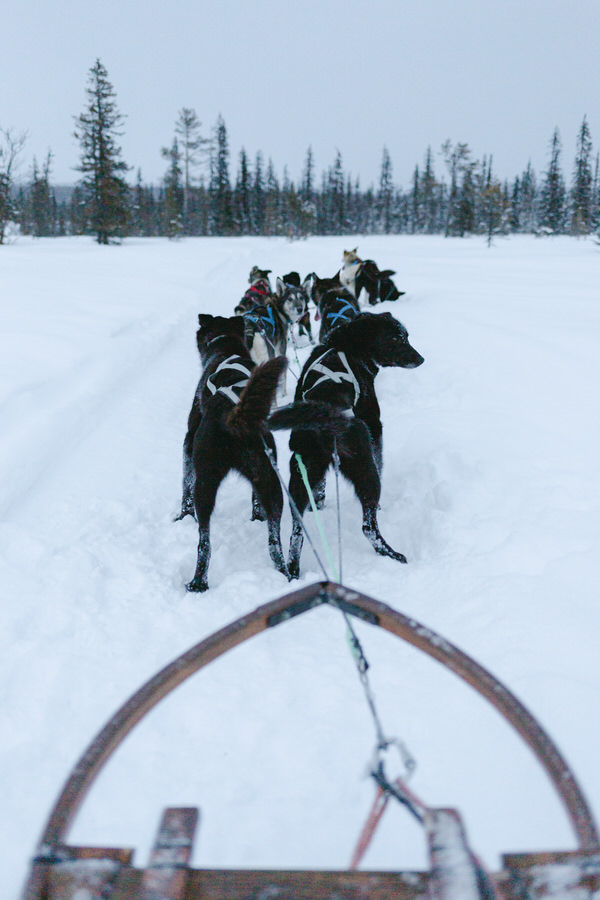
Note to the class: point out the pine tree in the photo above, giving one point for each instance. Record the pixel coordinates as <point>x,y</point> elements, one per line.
<point>386,191</point>
<point>40,205</point>
<point>529,201</point>
<point>337,196</point>
<point>220,185</point>
<point>194,151</point>
<point>173,192</point>
<point>242,206</point>
<point>492,204</point>
<point>581,191</point>
<point>11,146</point>
<point>553,194</point>
<point>459,212</point>
<point>428,195</point>
<point>97,130</point>
<point>307,195</point>
<point>259,195</point>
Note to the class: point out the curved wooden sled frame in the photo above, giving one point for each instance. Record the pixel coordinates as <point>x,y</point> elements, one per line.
<point>280,610</point>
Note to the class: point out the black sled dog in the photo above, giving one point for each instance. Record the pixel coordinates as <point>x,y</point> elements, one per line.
<point>335,304</point>
<point>226,429</point>
<point>335,406</point>
<point>258,292</point>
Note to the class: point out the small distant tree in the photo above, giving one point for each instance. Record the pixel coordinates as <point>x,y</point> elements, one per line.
<point>220,185</point>
<point>386,193</point>
<point>174,191</point>
<point>553,193</point>
<point>97,130</point>
<point>11,145</point>
<point>242,197</point>
<point>581,191</point>
<point>259,196</point>
<point>195,151</point>
<point>40,206</point>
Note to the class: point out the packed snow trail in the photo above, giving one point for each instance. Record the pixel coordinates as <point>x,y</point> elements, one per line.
<point>490,487</point>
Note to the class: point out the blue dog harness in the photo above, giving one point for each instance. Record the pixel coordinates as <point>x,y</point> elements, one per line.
<point>341,314</point>
<point>225,379</point>
<point>265,321</point>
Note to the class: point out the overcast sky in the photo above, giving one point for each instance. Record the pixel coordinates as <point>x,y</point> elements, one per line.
<point>354,76</point>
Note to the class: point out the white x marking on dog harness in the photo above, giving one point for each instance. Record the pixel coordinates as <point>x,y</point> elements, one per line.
<point>328,374</point>
<point>231,391</point>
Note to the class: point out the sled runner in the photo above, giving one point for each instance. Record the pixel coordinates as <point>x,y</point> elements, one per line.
<point>63,872</point>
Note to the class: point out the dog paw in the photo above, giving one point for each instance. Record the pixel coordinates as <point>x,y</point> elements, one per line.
<point>185,511</point>
<point>197,585</point>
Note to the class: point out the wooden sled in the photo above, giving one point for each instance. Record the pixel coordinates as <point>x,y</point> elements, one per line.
<point>63,872</point>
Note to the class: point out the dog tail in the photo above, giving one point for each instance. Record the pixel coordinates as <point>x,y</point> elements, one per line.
<point>307,415</point>
<point>249,415</point>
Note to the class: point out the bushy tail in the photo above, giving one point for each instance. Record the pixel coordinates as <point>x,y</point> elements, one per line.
<point>249,415</point>
<point>308,415</point>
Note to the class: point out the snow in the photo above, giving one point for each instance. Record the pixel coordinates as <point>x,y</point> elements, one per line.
<point>490,488</point>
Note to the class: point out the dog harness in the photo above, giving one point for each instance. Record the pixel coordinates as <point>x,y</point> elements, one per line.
<point>344,313</point>
<point>257,292</point>
<point>225,379</point>
<point>329,366</point>
<point>264,319</point>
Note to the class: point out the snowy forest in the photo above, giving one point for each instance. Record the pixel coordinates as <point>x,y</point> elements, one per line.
<point>450,193</point>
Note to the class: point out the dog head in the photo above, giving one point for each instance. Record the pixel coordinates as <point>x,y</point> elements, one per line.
<point>257,275</point>
<point>319,286</point>
<point>378,337</point>
<point>215,330</point>
<point>381,280</point>
<point>350,256</point>
<point>292,300</point>
<point>390,345</point>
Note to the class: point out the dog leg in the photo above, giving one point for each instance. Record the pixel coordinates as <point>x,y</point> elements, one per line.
<point>199,582</point>
<point>316,465</point>
<point>267,498</point>
<point>361,469</point>
<point>187,494</point>
<point>209,475</point>
<point>371,531</point>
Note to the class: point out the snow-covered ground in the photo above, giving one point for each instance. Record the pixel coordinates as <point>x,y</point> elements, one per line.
<point>491,489</point>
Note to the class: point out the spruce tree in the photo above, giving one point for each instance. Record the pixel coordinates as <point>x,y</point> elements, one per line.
<point>97,129</point>
<point>386,191</point>
<point>552,194</point>
<point>173,192</point>
<point>259,195</point>
<point>220,185</point>
<point>40,204</point>
<point>428,195</point>
<point>581,191</point>
<point>242,206</point>
<point>529,201</point>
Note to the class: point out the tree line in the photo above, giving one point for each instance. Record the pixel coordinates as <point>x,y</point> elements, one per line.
<point>197,195</point>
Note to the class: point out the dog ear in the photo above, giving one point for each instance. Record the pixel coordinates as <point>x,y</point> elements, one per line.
<point>204,320</point>
<point>387,273</point>
<point>279,286</point>
<point>308,282</point>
